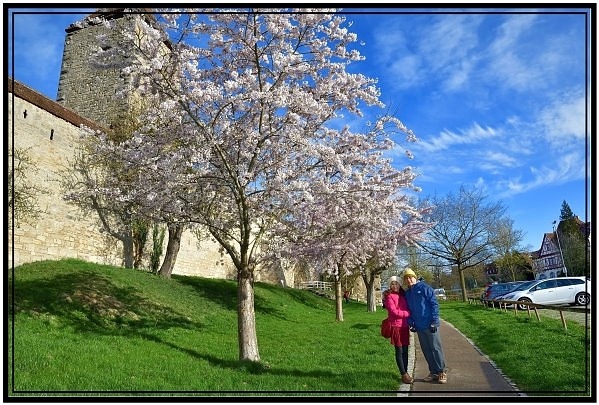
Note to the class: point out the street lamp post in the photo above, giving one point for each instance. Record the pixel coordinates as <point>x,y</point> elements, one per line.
<point>560,250</point>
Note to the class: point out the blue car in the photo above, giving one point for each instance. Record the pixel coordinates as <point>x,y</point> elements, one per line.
<point>495,290</point>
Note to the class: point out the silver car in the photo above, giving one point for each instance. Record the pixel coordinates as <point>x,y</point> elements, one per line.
<point>552,291</point>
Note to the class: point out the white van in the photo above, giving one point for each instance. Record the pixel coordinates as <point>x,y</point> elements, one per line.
<point>440,294</point>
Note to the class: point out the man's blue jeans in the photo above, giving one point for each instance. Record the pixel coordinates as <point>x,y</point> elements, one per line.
<point>430,343</point>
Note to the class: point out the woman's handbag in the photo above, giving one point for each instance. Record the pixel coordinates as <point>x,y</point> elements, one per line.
<point>386,328</point>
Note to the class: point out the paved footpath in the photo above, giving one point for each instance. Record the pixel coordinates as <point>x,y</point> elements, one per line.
<point>469,372</point>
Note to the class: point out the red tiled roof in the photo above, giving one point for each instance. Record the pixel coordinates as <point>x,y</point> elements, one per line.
<point>54,108</point>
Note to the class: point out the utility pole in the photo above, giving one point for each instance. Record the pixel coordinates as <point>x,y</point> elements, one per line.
<point>560,250</point>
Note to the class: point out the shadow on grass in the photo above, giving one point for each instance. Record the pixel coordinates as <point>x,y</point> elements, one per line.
<point>240,365</point>
<point>90,302</point>
<point>221,292</point>
<point>262,368</point>
<point>306,297</point>
<point>224,294</point>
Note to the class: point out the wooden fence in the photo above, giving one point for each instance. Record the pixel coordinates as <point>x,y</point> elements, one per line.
<point>530,307</point>
<point>316,285</point>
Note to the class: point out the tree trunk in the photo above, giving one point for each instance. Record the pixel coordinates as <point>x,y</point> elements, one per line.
<point>338,294</point>
<point>140,236</point>
<point>338,300</point>
<point>370,296</point>
<point>127,241</point>
<point>462,283</point>
<point>246,316</point>
<point>172,249</point>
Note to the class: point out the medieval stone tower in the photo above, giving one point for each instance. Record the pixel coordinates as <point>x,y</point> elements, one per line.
<point>92,90</point>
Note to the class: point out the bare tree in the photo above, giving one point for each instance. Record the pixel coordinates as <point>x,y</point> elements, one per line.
<point>22,192</point>
<point>427,267</point>
<point>509,260</point>
<point>514,265</point>
<point>464,233</point>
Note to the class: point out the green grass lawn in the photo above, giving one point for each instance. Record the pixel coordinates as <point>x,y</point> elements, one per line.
<point>76,328</point>
<point>539,356</point>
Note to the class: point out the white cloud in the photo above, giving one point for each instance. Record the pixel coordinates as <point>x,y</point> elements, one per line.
<point>38,45</point>
<point>510,32</point>
<point>448,49</point>
<point>37,41</point>
<point>441,51</point>
<point>563,121</point>
<point>529,53</point>
<point>568,167</point>
<point>447,139</point>
<point>389,43</point>
<point>407,71</point>
<point>506,61</point>
<point>448,40</point>
<point>497,162</point>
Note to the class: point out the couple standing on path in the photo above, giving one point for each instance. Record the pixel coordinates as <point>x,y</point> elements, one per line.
<point>415,309</point>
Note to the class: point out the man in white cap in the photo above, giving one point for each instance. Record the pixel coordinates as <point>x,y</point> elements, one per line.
<point>424,320</point>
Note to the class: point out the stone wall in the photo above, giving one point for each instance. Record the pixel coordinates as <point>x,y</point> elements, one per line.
<point>49,141</point>
<point>50,133</point>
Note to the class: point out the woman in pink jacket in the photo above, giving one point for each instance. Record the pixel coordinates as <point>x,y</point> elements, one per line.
<point>398,313</point>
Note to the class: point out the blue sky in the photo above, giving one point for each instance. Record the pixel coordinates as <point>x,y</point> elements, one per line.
<point>498,98</point>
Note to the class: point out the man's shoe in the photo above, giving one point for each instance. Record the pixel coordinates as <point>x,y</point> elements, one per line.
<point>430,377</point>
<point>407,378</point>
<point>443,377</point>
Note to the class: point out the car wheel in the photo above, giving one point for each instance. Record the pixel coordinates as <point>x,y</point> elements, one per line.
<point>582,299</point>
<point>523,307</point>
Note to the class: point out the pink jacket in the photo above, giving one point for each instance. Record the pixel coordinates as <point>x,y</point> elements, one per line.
<point>397,309</point>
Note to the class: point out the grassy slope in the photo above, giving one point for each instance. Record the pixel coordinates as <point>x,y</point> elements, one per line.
<point>87,327</point>
<point>538,356</point>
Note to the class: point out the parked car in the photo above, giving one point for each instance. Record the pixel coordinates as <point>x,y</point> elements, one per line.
<point>440,294</point>
<point>552,291</point>
<point>520,287</point>
<point>495,290</point>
